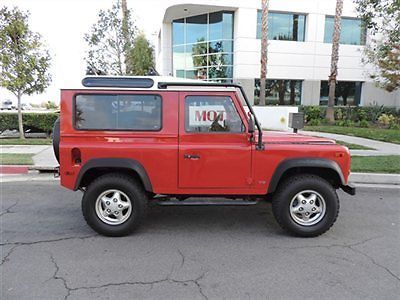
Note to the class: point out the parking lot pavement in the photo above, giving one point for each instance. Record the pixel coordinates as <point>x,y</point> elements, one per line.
<point>48,252</point>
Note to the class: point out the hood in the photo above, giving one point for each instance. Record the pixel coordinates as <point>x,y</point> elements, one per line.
<point>281,137</point>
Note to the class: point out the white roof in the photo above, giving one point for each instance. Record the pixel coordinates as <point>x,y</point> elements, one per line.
<point>156,80</point>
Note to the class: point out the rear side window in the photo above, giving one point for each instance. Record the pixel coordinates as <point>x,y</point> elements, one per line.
<point>211,114</point>
<point>118,112</point>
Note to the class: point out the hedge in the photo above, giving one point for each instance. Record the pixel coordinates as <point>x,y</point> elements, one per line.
<point>315,114</point>
<point>41,121</point>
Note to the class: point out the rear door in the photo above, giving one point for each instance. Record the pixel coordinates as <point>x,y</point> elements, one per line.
<point>214,147</point>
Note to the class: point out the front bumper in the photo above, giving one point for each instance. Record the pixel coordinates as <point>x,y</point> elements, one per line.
<point>349,189</point>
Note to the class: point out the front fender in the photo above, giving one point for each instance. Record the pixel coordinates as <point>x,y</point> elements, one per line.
<point>288,164</point>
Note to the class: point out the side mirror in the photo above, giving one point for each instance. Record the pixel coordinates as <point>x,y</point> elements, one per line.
<point>251,125</point>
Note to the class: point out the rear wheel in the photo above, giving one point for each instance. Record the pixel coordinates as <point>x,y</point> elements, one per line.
<point>114,205</point>
<point>305,205</point>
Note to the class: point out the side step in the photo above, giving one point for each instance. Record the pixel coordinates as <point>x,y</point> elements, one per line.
<point>208,202</point>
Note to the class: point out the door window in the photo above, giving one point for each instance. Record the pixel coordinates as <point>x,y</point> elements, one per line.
<point>211,114</point>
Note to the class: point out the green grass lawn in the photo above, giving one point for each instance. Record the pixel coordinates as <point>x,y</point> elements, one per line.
<point>353,146</point>
<point>25,142</point>
<point>376,164</point>
<point>16,159</point>
<point>379,134</point>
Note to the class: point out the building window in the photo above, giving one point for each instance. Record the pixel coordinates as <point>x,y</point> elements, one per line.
<point>279,92</point>
<point>283,26</point>
<point>353,32</point>
<point>203,47</point>
<point>346,93</point>
<point>118,112</point>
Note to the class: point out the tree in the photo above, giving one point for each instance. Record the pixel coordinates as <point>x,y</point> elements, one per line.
<point>334,61</point>
<point>110,42</point>
<point>141,56</point>
<point>264,49</point>
<point>23,59</point>
<point>382,19</point>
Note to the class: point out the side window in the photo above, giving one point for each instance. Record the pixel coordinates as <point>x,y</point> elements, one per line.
<point>118,112</point>
<point>211,114</point>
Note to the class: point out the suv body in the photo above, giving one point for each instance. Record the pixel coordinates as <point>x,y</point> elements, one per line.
<point>184,139</point>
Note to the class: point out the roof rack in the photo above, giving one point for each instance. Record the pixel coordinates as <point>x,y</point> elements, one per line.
<point>164,85</point>
<point>120,82</point>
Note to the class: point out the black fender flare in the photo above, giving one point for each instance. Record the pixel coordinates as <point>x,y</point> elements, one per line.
<point>288,164</point>
<point>115,163</point>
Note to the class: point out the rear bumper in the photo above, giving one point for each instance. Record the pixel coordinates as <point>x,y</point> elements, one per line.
<point>349,189</point>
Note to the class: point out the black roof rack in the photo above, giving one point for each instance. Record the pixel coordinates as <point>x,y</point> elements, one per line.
<point>164,85</point>
<point>119,82</point>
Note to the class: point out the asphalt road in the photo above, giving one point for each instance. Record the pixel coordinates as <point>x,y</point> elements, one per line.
<point>48,251</point>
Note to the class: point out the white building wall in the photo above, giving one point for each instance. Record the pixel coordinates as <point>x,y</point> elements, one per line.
<point>308,61</point>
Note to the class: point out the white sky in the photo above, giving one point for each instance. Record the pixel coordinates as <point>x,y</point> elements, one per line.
<point>63,23</point>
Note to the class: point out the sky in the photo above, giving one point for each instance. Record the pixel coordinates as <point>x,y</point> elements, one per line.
<point>63,23</point>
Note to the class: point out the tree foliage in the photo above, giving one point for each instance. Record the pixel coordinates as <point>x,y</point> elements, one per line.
<point>141,56</point>
<point>23,59</point>
<point>110,42</point>
<point>382,19</point>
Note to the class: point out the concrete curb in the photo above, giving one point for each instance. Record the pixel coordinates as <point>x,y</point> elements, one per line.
<point>375,178</point>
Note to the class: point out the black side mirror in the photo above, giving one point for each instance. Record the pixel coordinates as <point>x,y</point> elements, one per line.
<point>251,125</point>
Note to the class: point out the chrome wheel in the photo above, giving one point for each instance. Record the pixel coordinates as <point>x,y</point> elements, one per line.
<point>307,208</point>
<point>113,207</point>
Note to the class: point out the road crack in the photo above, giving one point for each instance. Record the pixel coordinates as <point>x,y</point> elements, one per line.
<point>69,289</point>
<point>376,263</point>
<point>5,258</point>
<point>57,277</point>
<point>8,209</point>
<point>48,241</point>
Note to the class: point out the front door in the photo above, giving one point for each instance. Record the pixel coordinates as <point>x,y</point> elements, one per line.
<point>214,146</point>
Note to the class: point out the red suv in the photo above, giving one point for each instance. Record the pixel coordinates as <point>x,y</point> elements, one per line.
<point>128,141</point>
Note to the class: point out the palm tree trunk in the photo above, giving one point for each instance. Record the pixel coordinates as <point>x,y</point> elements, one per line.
<point>20,125</point>
<point>127,42</point>
<point>264,49</point>
<point>334,61</point>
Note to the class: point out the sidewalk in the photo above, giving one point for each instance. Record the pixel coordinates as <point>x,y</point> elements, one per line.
<point>382,148</point>
<point>43,154</point>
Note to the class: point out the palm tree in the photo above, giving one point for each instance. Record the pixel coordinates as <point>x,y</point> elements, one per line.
<point>334,61</point>
<point>125,33</point>
<point>264,49</point>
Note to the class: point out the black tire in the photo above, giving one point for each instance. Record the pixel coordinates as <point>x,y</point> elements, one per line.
<point>289,188</point>
<point>56,139</point>
<point>128,186</point>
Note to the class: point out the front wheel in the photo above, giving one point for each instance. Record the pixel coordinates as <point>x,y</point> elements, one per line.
<point>305,205</point>
<point>114,205</point>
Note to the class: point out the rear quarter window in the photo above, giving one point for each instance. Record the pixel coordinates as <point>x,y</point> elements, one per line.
<point>118,112</point>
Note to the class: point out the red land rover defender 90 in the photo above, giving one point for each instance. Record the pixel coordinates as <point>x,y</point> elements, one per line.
<point>127,141</point>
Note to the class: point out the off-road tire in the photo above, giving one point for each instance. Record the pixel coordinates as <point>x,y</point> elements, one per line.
<point>295,184</point>
<point>127,185</point>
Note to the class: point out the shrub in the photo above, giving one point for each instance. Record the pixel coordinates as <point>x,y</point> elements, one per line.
<point>40,121</point>
<point>362,115</point>
<point>364,123</point>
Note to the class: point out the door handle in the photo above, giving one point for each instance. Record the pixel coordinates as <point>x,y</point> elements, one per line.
<point>191,156</point>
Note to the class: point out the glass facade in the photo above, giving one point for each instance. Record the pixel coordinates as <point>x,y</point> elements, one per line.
<point>203,47</point>
<point>346,93</point>
<point>283,26</point>
<point>353,32</point>
<point>279,92</point>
